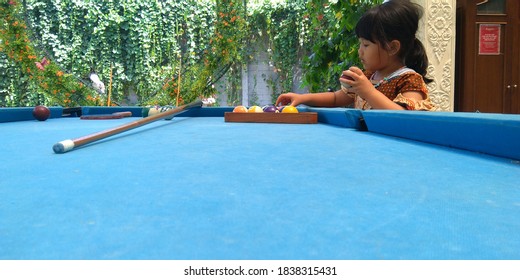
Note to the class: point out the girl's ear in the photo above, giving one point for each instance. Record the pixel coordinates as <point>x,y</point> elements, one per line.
<point>395,47</point>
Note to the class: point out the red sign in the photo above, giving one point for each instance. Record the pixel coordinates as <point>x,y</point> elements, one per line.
<point>489,39</point>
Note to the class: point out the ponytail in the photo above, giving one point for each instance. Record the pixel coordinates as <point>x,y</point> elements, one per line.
<point>417,59</point>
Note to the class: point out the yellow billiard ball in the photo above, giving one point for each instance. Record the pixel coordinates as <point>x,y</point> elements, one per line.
<point>289,109</point>
<point>240,109</point>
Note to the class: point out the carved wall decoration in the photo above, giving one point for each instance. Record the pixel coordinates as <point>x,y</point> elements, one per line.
<point>438,35</point>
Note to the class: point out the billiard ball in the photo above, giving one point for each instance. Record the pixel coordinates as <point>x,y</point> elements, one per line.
<point>255,109</point>
<point>345,85</point>
<point>271,109</point>
<point>240,109</point>
<point>41,113</point>
<point>153,111</point>
<point>289,109</point>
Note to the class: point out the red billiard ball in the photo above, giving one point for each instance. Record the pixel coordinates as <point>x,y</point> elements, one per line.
<point>345,85</point>
<point>41,113</point>
<point>347,77</point>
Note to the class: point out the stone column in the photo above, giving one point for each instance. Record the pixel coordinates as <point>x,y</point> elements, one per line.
<point>437,32</point>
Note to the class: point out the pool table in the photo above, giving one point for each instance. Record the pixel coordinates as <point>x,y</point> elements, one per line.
<point>357,185</point>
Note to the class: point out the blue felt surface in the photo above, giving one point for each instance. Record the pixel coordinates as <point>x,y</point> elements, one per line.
<point>200,188</point>
<point>339,116</point>
<point>495,134</point>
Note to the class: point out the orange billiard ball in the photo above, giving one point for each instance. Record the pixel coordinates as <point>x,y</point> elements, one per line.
<point>41,113</point>
<point>240,109</point>
<point>289,109</point>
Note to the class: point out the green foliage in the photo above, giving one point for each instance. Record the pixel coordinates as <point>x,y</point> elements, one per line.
<point>226,50</point>
<point>170,51</point>
<point>34,81</point>
<point>135,46</point>
<point>284,26</point>
<point>15,87</point>
<point>335,44</point>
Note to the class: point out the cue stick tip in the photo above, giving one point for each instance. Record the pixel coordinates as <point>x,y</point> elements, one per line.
<point>63,146</point>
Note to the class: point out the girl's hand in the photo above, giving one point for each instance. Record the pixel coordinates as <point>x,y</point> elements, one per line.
<point>290,98</point>
<point>359,83</point>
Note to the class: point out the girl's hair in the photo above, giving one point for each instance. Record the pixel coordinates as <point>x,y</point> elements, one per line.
<point>396,20</point>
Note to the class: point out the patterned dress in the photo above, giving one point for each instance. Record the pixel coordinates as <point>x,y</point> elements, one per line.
<point>401,81</point>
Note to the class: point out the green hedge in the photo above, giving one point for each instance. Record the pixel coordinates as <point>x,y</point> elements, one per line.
<point>143,46</point>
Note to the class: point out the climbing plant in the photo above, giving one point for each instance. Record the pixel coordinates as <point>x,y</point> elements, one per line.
<point>226,52</point>
<point>284,25</point>
<point>30,69</point>
<point>334,43</point>
<point>136,47</point>
<point>166,52</point>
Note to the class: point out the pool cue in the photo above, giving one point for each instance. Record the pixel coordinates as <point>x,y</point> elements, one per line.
<point>67,145</point>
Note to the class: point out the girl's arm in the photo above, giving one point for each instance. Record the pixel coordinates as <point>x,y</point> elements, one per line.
<point>378,100</point>
<point>322,99</point>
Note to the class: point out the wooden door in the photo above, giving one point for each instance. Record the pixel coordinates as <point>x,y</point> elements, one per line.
<point>487,56</point>
<point>513,86</point>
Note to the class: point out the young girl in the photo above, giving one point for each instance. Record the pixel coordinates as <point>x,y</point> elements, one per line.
<point>394,60</point>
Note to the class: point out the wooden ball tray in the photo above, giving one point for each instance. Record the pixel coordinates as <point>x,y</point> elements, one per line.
<point>295,118</point>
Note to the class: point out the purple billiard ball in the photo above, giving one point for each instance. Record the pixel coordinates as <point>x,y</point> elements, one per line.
<point>270,109</point>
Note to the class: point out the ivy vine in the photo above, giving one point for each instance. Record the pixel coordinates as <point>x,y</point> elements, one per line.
<point>335,44</point>
<point>167,52</point>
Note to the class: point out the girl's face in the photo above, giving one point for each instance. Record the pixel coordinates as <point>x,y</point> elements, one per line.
<point>372,55</point>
